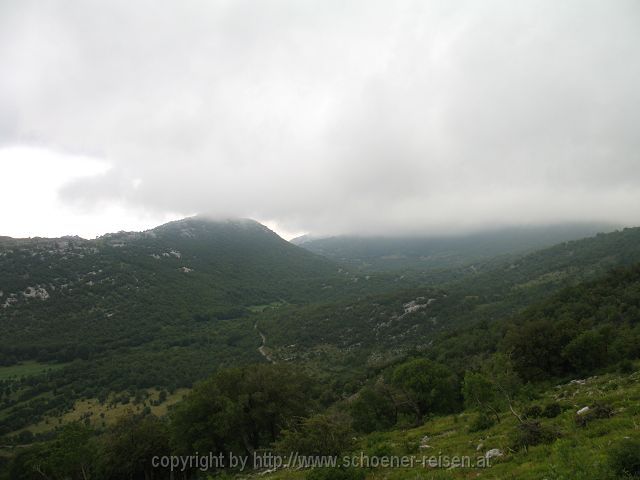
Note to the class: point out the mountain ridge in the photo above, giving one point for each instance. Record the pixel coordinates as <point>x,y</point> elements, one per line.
<point>394,252</point>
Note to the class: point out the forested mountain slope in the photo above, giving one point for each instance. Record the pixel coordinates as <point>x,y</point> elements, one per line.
<point>129,311</point>
<point>69,294</point>
<point>553,393</point>
<point>379,328</point>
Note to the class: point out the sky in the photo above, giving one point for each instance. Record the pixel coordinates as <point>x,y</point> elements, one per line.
<point>327,117</point>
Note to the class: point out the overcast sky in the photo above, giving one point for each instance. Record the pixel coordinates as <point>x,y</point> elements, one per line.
<point>323,117</point>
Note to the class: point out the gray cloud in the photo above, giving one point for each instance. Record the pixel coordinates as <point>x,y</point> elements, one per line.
<point>336,116</point>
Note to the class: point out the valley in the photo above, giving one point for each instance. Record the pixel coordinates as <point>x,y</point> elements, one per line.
<point>136,327</point>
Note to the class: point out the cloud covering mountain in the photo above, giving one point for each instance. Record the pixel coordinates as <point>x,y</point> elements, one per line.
<point>334,117</point>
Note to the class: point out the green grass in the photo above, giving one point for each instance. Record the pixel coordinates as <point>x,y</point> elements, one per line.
<point>100,415</point>
<point>580,452</point>
<point>27,369</point>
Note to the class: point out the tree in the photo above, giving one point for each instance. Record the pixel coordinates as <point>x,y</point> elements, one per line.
<point>241,409</point>
<point>205,421</point>
<point>536,347</point>
<point>70,455</point>
<point>128,448</point>
<point>493,387</point>
<point>28,464</point>
<point>374,409</point>
<point>73,453</point>
<point>428,387</point>
<point>322,434</point>
<point>480,393</point>
<point>587,351</point>
<point>501,372</point>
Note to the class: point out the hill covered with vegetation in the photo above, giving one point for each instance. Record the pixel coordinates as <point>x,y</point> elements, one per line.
<point>131,311</point>
<point>461,315</point>
<point>220,337</point>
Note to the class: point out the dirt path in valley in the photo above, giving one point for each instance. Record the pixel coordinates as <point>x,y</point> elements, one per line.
<point>263,347</point>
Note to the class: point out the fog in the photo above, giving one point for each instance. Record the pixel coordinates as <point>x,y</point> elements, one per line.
<point>328,117</point>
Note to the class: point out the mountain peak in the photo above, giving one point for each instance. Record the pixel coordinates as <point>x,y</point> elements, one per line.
<point>190,227</point>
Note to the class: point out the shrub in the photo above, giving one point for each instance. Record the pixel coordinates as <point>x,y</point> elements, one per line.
<point>373,410</point>
<point>624,457</point>
<point>430,387</point>
<point>598,410</point>
<point>587,351</point>
<point>533,433</point>
<point>569,459</point>
<point>533,411</point>
<point>481,422</point>
<point>552,410</point>
<point>626,367</point>
<point>321,434</point>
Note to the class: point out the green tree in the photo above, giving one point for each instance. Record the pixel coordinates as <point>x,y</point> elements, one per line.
<point>241,409</point>
<point>499,369</point>
<point>128,448</point>
<point>322,434</point>
<point>587,351</point>
<point>428,387</point>
<point>493,387</point>
<point>536,347</point>
<point>70,455</point>
<point>480,393</point>
<point>374,409</point>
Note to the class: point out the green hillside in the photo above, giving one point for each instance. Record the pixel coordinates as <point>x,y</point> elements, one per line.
<point>375,329</point>
<point>221,337</point>
<point>129,311</point>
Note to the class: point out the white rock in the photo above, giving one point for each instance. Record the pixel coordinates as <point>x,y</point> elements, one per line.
<point>36,292</point>
<point>10,301</point>
<point>494,452</point>
<point>583,410</point>
<point>424,443</point>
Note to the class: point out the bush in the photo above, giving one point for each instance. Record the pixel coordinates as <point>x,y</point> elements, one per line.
<point>569,459</point>
<point>431,388</point>
<point>587,351</point>
<point>624,458</point>
<point>529,434</point>
<point>321,434</point>
<point>552,410</point>
<point>626,367</point>
<point>373,410</point>
<point>533,411</point>
<point>481,422</point>
<point>598,410</point>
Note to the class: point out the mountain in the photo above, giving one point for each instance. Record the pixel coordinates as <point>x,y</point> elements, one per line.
<point>54,292</point>
<point>376,329</point>
<point>238,259</point>
<point>132,314</point>
<point>442,251</point>
<point>160,308</point>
